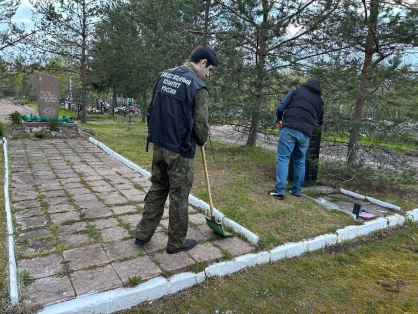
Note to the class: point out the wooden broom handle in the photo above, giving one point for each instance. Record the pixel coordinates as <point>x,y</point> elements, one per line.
<point>205,168</point>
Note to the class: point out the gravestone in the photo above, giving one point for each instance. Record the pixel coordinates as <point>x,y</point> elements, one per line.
<point>48,94</point>
<point>311,160</point>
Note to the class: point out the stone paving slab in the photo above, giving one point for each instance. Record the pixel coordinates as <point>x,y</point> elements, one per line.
<point>124,187</point>
<point>158,242</point>
<point>207,231</point>
<point>74,240</point>
<point>96,212</point>
<point>95,280</point>
<point>124,209</point>
<point>25,196</point>
<point>44,266</point>
<point>57,200</point>
<point>27,204</point>
<point>195,234</point>
<point>76,236</point>
<point>86,256</point>
<point>103,188</point>
<point>59,208</point>
<point>41,233</point>
<point>122,250</point>
<point>114,233</point>
<point>55,193</point>
<point>98,182</point>
<point>105,223</point>
<point>113,199</point>
<point>205,252</point>
<point>65,216</point>
<point>36,246</point>
<point>141,267</point>
<point>30,212</point>
<point>197,219</point>
<point>131,220</point>
<point>73,227</point>
<point>32,222</point>
<point>89,204</point>
<point>234,245</point>
<point>134,196</point>
<point>173,262</point>
<point>70,180</point>
<point>50,186</point>
<point>74,191</point>
<point>49,290</point>
<point>164,223</point>
<point>82,198</point>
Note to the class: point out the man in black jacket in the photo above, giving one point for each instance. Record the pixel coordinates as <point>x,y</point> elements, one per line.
<point>300,110</point>
<point>177,121</point>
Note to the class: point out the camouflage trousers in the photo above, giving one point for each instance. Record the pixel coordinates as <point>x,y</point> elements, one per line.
<point>171,175</point>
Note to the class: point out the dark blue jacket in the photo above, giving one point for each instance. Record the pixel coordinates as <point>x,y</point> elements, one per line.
<point>304,107</point>
<point>170,115</point>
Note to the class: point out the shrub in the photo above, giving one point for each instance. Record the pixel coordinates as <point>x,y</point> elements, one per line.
<point>39,134</point>
<point>1,129</point>
<point>15,117</point>
<point>53,124</point>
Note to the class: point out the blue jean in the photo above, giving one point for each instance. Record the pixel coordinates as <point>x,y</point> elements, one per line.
<point>291,140</point>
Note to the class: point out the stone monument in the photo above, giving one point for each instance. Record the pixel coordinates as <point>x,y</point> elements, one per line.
<point>311,160</point>
<point>48,94</point>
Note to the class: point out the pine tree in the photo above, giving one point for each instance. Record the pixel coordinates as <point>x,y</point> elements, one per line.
<point>262,40</point>
<point>67,30</point>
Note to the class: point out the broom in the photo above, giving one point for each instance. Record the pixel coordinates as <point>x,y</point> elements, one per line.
<point>211,221</point>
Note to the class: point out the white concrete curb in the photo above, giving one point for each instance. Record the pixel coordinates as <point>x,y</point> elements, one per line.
<point>370,199</point>
<point>351,232</point>
<point>330,206</point>
<point>412,215</point>
<point>381,203</point>
<point>123,298</point>
<point>251,237</point>
<point>122,159</point>
<point>320,242</point>
<point>349,193</point>
<point>14,295</point>
<point>112,301</point>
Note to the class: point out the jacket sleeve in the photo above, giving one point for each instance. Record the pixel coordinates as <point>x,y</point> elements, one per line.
<point>281,107</point>
<point>320,118</point>
<point>149,111</point>
<point>201,126</point>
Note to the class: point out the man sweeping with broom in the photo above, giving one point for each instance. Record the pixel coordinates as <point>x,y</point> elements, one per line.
<point>177,120</point>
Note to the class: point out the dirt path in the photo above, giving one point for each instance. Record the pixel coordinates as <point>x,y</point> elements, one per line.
<point>327,152</point>
<point>10,105</point>
<point>229,134</point>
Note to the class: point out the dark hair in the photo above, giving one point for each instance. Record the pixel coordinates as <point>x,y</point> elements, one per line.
<point>204,52</point>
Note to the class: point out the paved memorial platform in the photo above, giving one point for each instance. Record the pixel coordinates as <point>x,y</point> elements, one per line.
<point>75,210</point>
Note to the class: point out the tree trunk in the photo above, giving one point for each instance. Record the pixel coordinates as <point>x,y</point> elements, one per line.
<point>83,67</point>
<point>260,64</point>
<point>207,9</point>
<point>354,135</point>
<point>144,107</point>
<point>114,99</point>
<point>252,135</point>
<point>365,79</point>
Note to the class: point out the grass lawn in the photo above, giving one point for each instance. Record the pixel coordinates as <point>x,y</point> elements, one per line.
<point>240,177</point>
<point>378,274</point>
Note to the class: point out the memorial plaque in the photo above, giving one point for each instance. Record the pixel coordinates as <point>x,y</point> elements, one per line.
<point>311,160</point>
<point>48,94</point>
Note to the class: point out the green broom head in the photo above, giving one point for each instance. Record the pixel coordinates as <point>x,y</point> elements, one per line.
<point>216,226</point>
